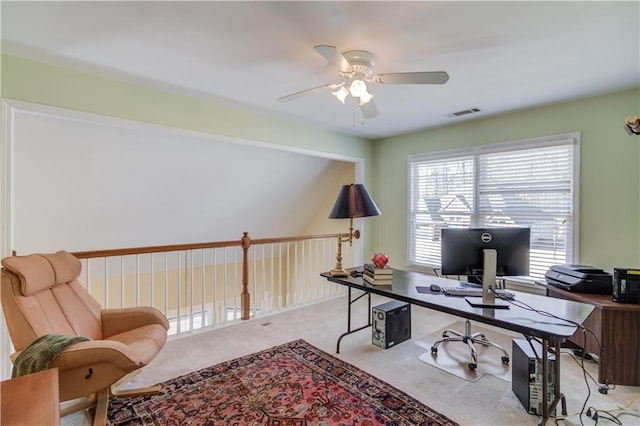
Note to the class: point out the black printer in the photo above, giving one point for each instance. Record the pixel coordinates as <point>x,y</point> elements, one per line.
<point>580,279</point>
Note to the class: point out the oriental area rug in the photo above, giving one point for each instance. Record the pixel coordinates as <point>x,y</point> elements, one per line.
<point>291,384</point>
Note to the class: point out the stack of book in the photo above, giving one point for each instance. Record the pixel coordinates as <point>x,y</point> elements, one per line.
<point>377,276</point>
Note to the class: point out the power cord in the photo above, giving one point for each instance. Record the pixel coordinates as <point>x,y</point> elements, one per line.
<point>602,414</point>
<point>603,389</point>
<point>595,414</point>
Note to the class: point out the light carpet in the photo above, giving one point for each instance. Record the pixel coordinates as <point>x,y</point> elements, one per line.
<point>454,357</point>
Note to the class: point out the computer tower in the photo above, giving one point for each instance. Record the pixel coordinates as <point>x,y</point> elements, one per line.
<point>526,374</point>
<point>391,323</point>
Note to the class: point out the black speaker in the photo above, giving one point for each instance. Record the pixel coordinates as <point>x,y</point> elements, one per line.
<point>391,323</point>
<point>526,374</point>
<point>626,285</point>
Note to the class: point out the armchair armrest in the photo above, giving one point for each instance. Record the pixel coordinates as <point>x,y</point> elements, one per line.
<point>89,367</point>
<point>95,352</point>
<point>115,321</point>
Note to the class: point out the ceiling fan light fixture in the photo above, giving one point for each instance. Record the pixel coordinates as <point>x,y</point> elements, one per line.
<point>355,68</point>
<point>357,88</point>
<point>365,98</point>
<point>341,93</point>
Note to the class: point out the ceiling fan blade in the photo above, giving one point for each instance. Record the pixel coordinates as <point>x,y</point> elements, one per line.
<point>306,92</point>
<point>369,110</point>
<point>334,57</point>
<point>429,77</point>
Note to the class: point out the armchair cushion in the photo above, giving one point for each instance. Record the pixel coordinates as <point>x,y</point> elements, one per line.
<point>65,309</point>
<point>42,271</point>
<point>118,320</point>
<point>145,341</point>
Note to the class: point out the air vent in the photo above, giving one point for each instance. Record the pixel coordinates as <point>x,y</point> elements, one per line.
<point>464,112</point>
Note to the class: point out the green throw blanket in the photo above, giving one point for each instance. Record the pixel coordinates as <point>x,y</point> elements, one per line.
<point>37,356</point>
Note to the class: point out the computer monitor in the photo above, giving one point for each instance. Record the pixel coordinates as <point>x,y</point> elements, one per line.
<point>484,253</point>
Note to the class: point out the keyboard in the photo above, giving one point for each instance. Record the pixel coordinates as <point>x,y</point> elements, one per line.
<point>474,292</point>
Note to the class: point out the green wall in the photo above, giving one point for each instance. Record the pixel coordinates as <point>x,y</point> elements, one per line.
<point>609,209</point>
<point>609,181</point>
<point>31,81</point>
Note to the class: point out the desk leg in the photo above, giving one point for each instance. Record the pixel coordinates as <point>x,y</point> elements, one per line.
<point>545,382</point>
<point>351,302</point>
<point>558,396</point>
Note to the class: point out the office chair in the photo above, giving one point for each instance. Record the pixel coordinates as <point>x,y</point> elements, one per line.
<point>467,337</point>
<point>470,340</point>
<point>41,297</point>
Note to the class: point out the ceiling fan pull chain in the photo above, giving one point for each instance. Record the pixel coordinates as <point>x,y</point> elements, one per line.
<point>353,117</point>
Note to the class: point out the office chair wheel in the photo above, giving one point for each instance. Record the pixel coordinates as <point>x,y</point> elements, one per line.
<point>472,366</point>
<point>434,350</point>
<point>505,360</point>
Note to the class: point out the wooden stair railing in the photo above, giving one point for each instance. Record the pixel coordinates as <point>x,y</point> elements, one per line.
<point>244,243</point>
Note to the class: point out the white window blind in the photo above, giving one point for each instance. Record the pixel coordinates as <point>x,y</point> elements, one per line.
<point>443,196</point>
<point>524,184</point>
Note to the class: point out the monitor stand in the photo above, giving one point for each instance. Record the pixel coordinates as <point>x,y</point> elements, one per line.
<point>488,299</point>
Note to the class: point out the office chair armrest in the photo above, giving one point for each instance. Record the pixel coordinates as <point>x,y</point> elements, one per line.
<point>116,321</point>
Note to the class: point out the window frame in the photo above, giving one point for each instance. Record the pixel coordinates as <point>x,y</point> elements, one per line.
<point>573,139</point>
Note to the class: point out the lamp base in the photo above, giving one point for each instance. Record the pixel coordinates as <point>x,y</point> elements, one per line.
<point>338,273</point>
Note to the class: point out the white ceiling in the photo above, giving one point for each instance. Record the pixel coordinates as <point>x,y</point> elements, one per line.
<point>500,56</point>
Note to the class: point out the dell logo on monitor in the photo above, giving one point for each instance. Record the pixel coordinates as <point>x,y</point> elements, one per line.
<point>486,237</point>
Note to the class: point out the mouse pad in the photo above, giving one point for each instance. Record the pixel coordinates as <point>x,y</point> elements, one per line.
<point>421,289</point>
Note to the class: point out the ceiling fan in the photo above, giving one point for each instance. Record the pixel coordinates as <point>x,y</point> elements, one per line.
<point>356,68</point>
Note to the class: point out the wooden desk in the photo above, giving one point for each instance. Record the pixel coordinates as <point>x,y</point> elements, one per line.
<point>521,317</point>
<point>616,326</point>
<point>31,400</point>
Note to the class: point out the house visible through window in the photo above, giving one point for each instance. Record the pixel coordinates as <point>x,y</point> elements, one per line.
<point>525,184</point>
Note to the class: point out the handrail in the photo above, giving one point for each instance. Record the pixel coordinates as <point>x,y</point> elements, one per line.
<point>89,254</point>
<point>244,243</point>
<point>152,249</point>
<point>290,239</point>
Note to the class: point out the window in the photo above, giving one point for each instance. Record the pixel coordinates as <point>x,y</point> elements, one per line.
<point>527,183</point>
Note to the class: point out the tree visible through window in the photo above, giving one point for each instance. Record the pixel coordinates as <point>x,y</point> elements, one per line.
<point>524,184</point>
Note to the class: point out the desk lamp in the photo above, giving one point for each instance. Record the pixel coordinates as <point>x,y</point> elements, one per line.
<point>353,201</point>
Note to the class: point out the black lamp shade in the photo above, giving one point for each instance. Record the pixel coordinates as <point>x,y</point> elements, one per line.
<point>354,201</point>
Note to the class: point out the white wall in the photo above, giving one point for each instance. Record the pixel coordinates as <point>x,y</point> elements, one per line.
<point>85,181</point>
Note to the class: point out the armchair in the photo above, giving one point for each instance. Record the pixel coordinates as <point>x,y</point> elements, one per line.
<point>41,295</point>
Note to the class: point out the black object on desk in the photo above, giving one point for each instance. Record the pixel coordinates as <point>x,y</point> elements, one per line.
<point>579,278</point>
<point>478,302</point>
<point>432,289</point>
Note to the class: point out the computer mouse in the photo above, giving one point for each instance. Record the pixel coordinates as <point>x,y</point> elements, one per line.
<point>435,288</point>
